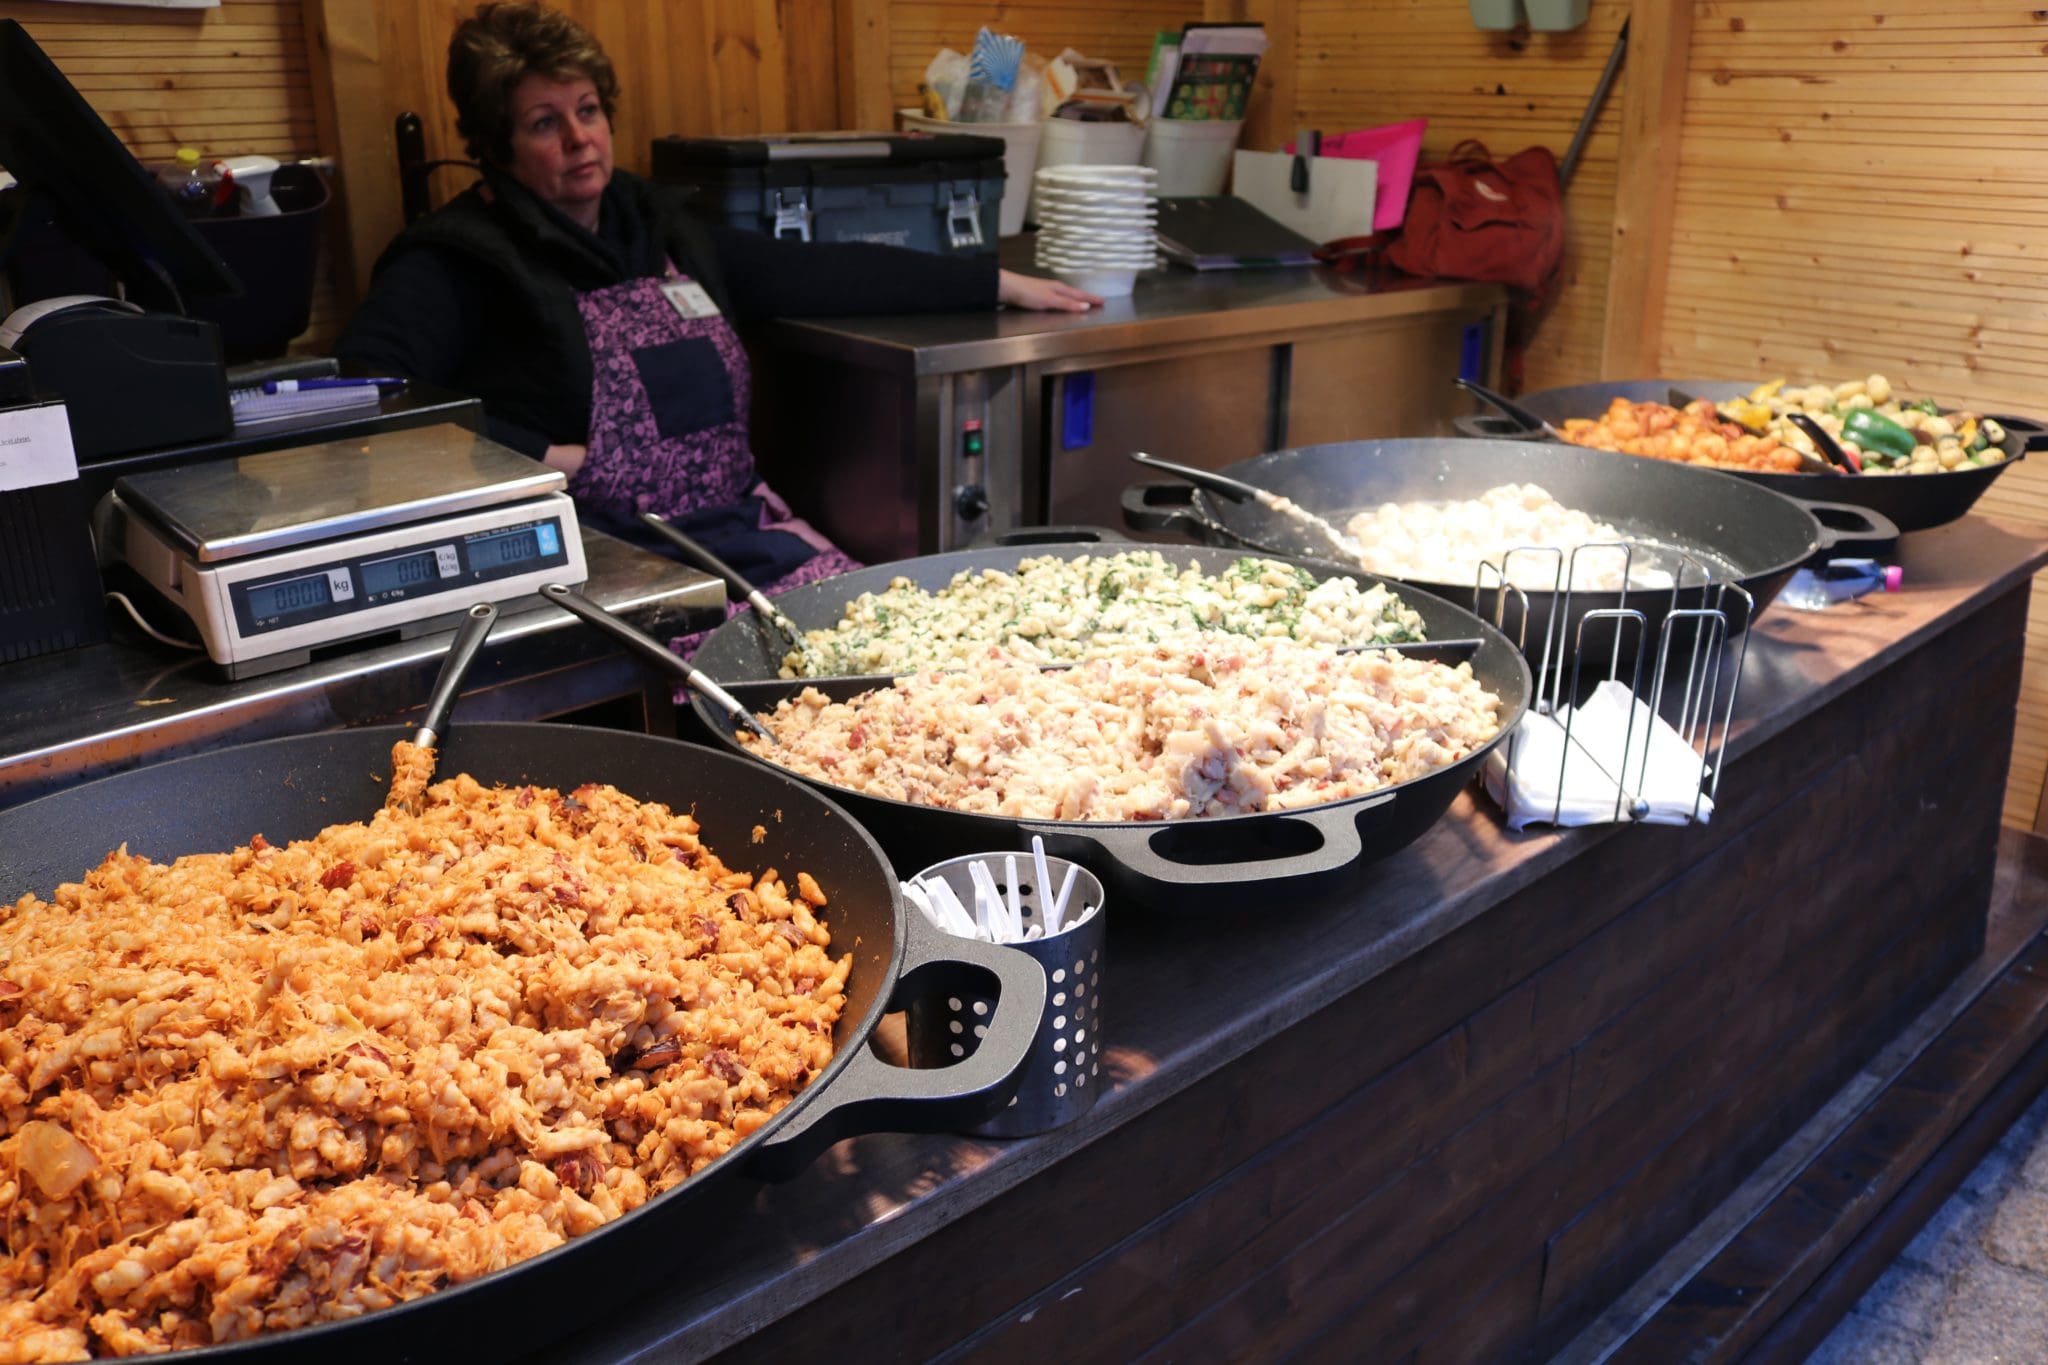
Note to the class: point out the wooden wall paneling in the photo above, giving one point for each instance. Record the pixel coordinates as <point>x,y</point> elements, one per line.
<point>1652,118</point>
<point>1364,62</point>
<point>866,55</point>
<point>238,79</point>
<point>1860,190</point>
<point>346,38</point>
<point>814,68</point>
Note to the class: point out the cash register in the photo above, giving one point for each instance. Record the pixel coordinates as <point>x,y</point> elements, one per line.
<point>122,373</point>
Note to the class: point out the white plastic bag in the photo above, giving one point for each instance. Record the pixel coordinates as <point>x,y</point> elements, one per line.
<point>947,75</point>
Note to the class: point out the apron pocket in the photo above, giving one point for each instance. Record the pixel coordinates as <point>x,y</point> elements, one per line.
<point>687,387</point>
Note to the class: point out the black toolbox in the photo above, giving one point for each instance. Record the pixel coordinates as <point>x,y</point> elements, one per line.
<point>934,192</point>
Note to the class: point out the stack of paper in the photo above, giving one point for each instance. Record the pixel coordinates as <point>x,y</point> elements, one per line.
<point>255,408</point>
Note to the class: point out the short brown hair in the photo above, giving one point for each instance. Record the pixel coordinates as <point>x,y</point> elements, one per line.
<point>501,45</point>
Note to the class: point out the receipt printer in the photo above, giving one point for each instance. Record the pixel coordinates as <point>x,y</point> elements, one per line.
<point>49,585</point>
<point>130,380</point>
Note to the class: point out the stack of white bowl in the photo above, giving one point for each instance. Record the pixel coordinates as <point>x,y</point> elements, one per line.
<point>1095,225</point>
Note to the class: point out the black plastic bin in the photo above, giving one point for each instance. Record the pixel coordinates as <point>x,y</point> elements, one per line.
<point>274,258</point>
<point>933,193</point>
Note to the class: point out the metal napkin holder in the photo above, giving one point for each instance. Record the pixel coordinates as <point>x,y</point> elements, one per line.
<point>1697,720</point>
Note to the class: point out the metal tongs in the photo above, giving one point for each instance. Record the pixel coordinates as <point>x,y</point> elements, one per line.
<point>703,558</point>
<point>1239,491</point>
<point>1839,460</point>
<point>656,653</point>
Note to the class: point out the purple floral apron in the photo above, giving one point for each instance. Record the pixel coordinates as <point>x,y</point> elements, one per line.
<point>668,435</point>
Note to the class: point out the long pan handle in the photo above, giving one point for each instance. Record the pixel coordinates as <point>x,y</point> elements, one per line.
<point>654,652</point>
<point>469,641</point>
<point>1234,489</point>
<point>702,556</point>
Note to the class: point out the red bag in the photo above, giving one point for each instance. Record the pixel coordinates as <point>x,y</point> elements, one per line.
<point>1471,218</point>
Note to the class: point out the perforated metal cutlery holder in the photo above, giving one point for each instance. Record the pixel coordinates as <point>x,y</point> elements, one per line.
<point>1063,1075</point>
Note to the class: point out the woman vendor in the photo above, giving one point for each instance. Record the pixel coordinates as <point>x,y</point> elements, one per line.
<point>594,316</point>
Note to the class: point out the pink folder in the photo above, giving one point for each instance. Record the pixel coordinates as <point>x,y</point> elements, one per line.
<point>1395,147</point>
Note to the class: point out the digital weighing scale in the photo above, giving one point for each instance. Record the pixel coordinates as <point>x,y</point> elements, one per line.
<point>275,558</point>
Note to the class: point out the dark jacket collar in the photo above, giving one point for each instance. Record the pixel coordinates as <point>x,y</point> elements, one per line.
<point>535,248</point>
<point>622,248</point>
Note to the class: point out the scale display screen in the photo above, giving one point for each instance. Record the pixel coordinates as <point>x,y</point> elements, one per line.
<point>443,565</point>
<point>514,546</point>
<point>292,597</point>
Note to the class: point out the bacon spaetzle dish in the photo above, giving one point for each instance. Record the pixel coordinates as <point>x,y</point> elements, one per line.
<point>254,1090</point>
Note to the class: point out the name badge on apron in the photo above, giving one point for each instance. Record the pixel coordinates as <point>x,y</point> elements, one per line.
<point>689,299</point>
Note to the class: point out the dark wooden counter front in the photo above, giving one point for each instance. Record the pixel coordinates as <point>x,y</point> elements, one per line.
<point>1453,1113</point>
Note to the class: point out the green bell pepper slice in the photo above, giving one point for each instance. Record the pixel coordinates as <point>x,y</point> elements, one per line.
<point>1873,431</point>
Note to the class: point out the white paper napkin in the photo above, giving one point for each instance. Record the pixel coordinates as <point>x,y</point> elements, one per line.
<point>1530,793</point>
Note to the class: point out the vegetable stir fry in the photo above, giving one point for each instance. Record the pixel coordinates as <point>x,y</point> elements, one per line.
<point>1881,431</point>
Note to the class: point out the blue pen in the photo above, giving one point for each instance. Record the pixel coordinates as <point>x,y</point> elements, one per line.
<point>301,385</point>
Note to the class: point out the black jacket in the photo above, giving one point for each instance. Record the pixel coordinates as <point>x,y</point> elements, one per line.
<point>480,297</point>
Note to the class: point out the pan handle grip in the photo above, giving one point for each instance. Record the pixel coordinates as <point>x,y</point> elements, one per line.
<point>1047,535</point>
<point>1843,523</point>
<point>2032,432</point>
<point>1162,507</point>
<point>1491,426</point>
<point>871,1095</point>
<point>1137,850</point>
<point>1506,407</point>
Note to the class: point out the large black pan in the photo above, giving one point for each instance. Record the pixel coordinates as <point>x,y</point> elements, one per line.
<point>292,788</point>
<point>1741,534</point>
<point>1913,502</point>
<point>1230,862</point>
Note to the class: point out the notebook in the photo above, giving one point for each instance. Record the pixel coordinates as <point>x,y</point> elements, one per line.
<point>1222,232</point>
<point>253,408</point>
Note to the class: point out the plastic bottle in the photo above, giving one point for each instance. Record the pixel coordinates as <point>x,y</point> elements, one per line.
<point>190,182</point>
<point>1837,581</point>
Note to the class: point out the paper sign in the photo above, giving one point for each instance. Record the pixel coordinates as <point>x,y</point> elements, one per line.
<point>35,447</point>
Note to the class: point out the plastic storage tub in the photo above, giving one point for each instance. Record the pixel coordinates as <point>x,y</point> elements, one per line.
<point>941,194</point>
<point>1192,156</point>
<point>1020,156</point>
<point>273,256</point>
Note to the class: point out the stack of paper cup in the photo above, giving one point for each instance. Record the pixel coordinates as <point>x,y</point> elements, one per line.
<point>1095,225</point>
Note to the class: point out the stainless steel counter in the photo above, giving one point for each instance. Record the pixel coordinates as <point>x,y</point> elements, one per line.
<point>1169,307</point>
<point>66,718</point>
<point>907,435</point>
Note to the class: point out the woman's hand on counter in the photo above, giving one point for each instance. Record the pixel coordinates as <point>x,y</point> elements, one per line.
<point>1042,295</point>
<point>568,459</point>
